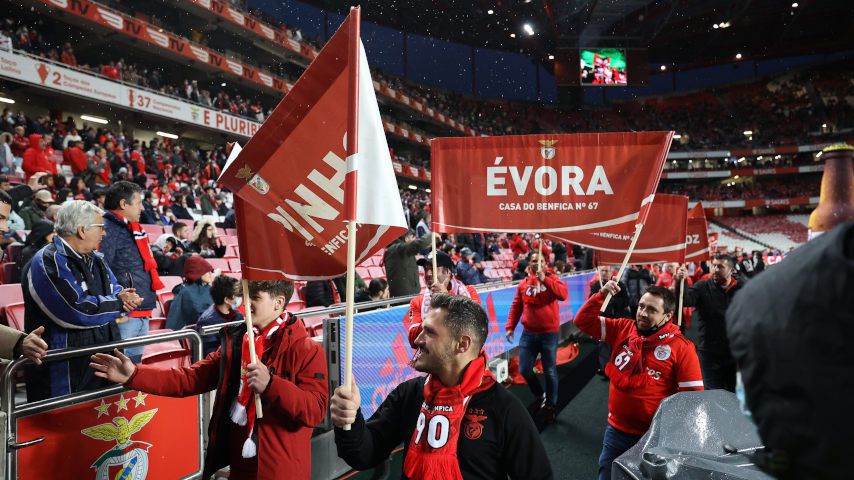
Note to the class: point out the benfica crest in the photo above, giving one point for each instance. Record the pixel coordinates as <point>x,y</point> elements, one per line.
<point>547,150</point>
<point>474,427</point>
<point>255,181</point>
<point>128,459</point>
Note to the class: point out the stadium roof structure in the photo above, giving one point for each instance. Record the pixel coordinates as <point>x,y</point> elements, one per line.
<point>685,32</point>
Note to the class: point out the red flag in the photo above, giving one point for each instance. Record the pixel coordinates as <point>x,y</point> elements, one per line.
<point>290,177</point>
<point>661,240</point>
<point>697,236</point>
<point>545,183</point>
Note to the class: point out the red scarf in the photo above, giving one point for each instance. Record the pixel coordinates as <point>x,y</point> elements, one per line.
<point>631,371</point>
<point>243,409</point>
<point>141,239</point>
<point>432,451</point>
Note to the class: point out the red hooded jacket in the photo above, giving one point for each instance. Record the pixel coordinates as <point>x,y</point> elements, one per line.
<point>518,245</point>
<point>76,157</point>
<point>35,159</point>
<point>537,305</point>
<point>294,402</point>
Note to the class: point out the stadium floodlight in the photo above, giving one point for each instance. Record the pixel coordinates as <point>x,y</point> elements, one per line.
<point>738,56</point>
<point>725,24</point>
<point>735,177</point>
<point>716,26</point>
<point>676,136</point>
<point>413,187</point>
<point>102,121</point>
<point>168,135</point>
<point>512,35</point>
<point>528,29</point>
<point>663,68</point>
<point>6,100</point>
<point>551,57</point>
<point>795,5</point>
<point>427,190</point>
<point>490,11</point>
<point>222,84</point>
<point>748,133</point>
<point>823,125</point>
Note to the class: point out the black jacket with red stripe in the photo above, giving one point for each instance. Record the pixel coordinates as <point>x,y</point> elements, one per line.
<point>498,439</point>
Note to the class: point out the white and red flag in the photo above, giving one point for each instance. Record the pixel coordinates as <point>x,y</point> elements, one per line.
<point>662,238</point>
<point>697,237</point>
<point>301,177</point>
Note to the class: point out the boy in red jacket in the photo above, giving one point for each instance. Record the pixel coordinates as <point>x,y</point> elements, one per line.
<point>536,303</point>
<point>651,360</point>
<point>290,378</point>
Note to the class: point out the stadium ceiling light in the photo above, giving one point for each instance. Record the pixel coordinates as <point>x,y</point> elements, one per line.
<point>823,125</point>
<point>528,29</point>
<point>716,26</point>
<point>677,136</point>
<point>427,190</point>
<point>102,121</point>
<point>6,100</point>
<point>512,35</point>
<point>551,57</point>
<point>168,135</point>
<point>735,177</point>
<point>748,133</point>
<point>738,56</point>
<point>413,187</point>
<point>222,84</point>
<point>663,68</point>
<point>725,24</point>
<point>490,11</point>
<point>795,5</point>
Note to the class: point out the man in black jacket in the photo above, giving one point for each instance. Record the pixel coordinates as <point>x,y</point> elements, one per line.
<point>474,429</point>
<point>400,267</point>
<point>712,297</point>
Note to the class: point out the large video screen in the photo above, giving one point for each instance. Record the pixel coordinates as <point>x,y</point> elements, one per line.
<point>603,66</point>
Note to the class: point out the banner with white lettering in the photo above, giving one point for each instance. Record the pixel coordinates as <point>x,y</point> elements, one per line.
<point>697,236</point>
<point>289,179</point>
<point>661,240</point>
<point>545,183</point>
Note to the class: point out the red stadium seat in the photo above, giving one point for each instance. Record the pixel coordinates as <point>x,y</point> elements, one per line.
<point>376,272</point>
<point>9,294</point>
<point>295,306</point>
<point>231,232</point>
<point>169,282</point>
<point>10,273</point>
<point>219,263</point>
<point>232,251</point>
<point>15,315</point>
<point>156,323</point>
<point>364,273</point>
<point>163,300</point>
<point>166,355</point>
<point>234,264</point>
<point>153,231</point>
<point>13,252</point>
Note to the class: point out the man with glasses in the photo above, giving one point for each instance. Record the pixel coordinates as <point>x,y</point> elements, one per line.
<point>70,292</point>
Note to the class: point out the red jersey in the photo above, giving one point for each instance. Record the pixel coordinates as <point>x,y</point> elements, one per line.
<point>665,279</point>
<point>412,319</point>
<point>537,305</point>
<point>669,361</point>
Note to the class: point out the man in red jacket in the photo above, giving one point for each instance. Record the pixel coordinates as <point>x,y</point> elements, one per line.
<point>443,282</point>
<point>518,245</point>
<point>651,360</point>
<point>536,303</point>
<point>76,157</point>
<point>290,377</point>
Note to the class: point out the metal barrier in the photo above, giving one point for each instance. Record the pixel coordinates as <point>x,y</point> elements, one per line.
<point>15,412</point>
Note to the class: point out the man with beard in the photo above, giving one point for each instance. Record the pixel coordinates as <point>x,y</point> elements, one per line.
<point>651,360</point>
<point>456,422</point>
<point>712,297</point>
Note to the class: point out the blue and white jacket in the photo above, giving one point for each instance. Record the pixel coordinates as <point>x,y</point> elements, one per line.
<point>76,300</point>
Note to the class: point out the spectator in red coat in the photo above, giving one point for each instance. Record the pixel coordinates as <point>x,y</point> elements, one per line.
<point>518,245</point>
<point>111,71</point>
<point>665,278</point>
<point>651,360</point>
<point>68,56</point>
<point>35,159</point>
<point>289,376</point>
<point>76,158</point>
<point>536,304</point>
<point>20,143</point>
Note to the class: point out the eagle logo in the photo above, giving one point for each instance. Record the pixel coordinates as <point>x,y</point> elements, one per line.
<point>128,459</point>
<point>474,429</point>
<point>548,149</point>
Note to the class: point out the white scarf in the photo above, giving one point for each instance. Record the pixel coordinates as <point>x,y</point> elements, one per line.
<point>457,288</point>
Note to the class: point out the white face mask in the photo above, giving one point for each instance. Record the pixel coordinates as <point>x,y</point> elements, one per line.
<point>238,301</point>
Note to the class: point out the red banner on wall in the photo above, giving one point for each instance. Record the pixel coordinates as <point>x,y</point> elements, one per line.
<point>154,35</point>
<point>131,435</point>
<point>545,183</point>
<point>697,236</point>
<point>661,240</point>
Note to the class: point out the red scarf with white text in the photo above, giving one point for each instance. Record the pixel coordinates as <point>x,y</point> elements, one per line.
<point>243,408</point>
<point>141,239</point>
<point>626,368</point>
<point>432,451</point>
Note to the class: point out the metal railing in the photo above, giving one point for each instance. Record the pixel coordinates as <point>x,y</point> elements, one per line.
<point>14,412</point>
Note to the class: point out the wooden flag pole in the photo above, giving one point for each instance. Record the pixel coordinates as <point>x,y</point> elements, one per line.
<point>350,185</point>
<point>539,253</point>
<point>253,358</point>
<point>433,255</point>
<point>681,297</point>
<point>638,229</point>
